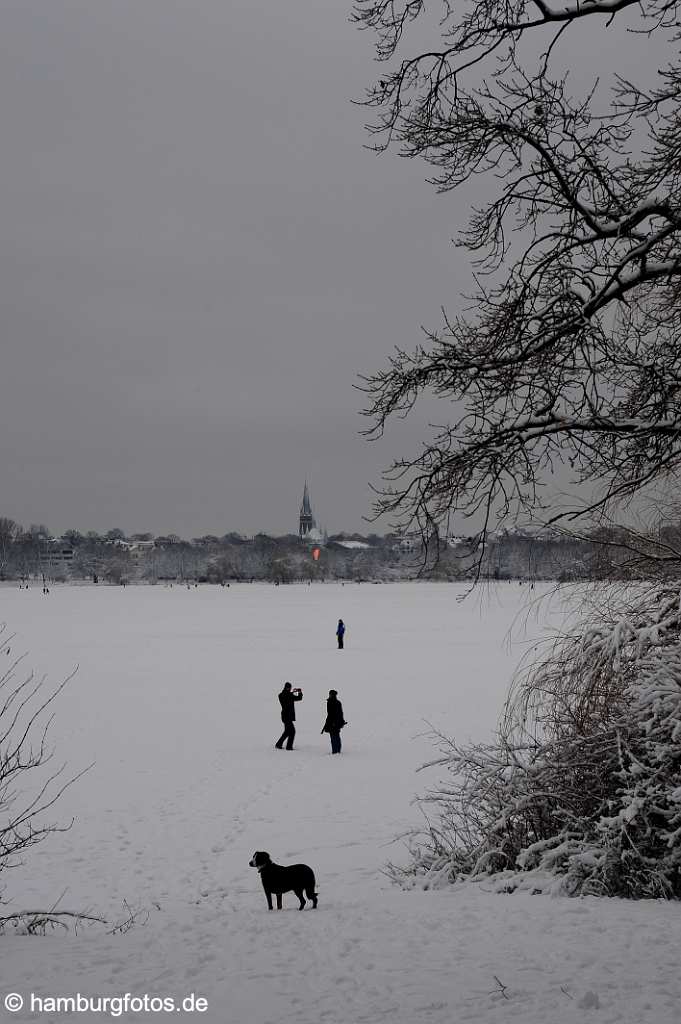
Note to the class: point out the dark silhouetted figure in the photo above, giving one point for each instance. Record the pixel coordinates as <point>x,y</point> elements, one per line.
<point>334,721</point>
<point>277,879</point>
<point>340,633</point>
<point>287,699</point>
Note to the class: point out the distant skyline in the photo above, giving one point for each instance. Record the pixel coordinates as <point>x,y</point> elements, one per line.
<point>290,526</point>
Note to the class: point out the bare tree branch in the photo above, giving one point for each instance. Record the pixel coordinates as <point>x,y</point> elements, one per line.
<point>568,352</point>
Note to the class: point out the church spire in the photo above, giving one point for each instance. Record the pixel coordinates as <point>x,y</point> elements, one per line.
<point>305,507</point>
<point>306,522</point>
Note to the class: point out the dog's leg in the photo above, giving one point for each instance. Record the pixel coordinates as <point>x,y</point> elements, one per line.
<point>278,901</point>
<point>269,899</point>
<point>313,896</point>
<point>299,894</point>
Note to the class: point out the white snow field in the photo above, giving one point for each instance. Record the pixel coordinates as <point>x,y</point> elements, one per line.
<point>175,700</point>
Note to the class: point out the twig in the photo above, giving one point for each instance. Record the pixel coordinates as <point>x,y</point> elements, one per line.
<point>501,985</point>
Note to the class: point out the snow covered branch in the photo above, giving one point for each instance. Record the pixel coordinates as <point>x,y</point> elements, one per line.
<point>29,785</point>
<point>567,352</point>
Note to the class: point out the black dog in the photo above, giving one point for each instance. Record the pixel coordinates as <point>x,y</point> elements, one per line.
<point>278,880</point>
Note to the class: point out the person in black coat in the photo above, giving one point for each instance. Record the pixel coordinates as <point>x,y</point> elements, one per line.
<point>334,721</point>
<point>340,633</point>
<point>287,699</point>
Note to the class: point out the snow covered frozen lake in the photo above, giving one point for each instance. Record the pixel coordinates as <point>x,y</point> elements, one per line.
<point>175,702</point>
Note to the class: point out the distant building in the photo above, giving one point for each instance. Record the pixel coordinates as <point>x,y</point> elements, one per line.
<point>306,521</point>
<point>54,556</point>
<point>307,524</point>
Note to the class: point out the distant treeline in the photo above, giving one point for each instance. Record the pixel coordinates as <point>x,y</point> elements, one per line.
<point>114,557</point>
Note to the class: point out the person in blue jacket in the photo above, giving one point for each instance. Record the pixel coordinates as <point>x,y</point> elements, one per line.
<point>340,633</point>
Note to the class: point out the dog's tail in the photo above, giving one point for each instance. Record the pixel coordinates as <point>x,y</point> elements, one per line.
<point>311,887</point>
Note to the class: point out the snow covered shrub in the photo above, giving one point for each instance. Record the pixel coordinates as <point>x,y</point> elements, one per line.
<point>581,790</point>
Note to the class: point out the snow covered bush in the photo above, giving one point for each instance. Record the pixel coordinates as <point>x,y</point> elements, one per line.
<point>581,791</point>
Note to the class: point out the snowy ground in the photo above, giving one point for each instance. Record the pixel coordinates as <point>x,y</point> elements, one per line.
<point>175,702</point>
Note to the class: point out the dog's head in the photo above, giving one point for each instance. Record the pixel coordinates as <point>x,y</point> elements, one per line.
<point>259,860</point>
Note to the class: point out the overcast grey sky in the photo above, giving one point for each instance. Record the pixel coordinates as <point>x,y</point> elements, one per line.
<point>197,258</point>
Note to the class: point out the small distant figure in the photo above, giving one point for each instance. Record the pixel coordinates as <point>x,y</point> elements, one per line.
<point>287,699</point>
<point>340,633</point>
<point>334,721</point>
